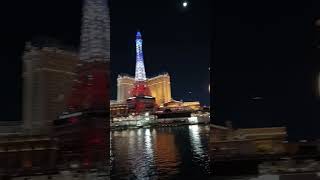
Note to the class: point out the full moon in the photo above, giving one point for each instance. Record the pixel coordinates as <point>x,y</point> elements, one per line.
<point>185,4</point>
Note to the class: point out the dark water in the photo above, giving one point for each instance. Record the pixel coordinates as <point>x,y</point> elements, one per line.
<point>161,153</point>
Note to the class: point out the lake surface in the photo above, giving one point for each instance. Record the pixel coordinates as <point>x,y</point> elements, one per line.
<point>161,153</point>
<point>170,153</point>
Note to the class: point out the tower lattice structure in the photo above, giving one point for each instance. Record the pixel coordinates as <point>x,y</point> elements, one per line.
<point>140,87</point>
<point>140,99</point>
<point>140,74</point>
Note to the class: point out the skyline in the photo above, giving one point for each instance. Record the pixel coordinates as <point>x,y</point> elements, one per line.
<point>65,28</point>
<point>140,69</point>
<point>269,56</point>
<point>174,39</point>
<point>31,20</point>
<point>121,89</point>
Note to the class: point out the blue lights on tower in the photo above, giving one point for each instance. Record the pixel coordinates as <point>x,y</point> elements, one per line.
<point>140,74</point>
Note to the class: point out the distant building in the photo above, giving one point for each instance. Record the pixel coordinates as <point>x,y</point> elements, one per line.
<point>47,78</point>
<point>179,105</point>
<point>159,86</point>
<point>124,85</point>
<point>226,140</point>
<point>118,109</point>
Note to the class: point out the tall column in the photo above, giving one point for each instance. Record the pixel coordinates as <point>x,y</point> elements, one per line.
<point>95,31</point>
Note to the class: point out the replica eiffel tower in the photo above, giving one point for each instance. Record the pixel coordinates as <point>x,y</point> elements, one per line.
<point>140,99</point>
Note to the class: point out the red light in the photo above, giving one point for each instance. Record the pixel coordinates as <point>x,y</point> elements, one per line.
<point>73,120</point>
<point>95,141</point>
<point>93,94</point>
<point>86,162</point>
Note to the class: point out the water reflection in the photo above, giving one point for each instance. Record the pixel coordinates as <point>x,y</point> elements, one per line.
<point>199,149</point>
<point>171,152</point>
<point>195,140</point>
<point>147,137</point>
<point>167,156</point>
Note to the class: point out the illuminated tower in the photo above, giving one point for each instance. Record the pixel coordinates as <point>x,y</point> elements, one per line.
<point>140,97</point>
<point>140,70</point>
<point>140,88</point>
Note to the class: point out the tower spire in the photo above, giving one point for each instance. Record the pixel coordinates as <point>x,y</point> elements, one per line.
<point>140,99</point>
<point>140,74</point>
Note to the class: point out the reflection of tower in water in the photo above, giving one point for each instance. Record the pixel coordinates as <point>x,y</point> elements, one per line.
<point>195,140</point>
<point>161,153</point>
<point>199,149</point>
<point>134,152</point>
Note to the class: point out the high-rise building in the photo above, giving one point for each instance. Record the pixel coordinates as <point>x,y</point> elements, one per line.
<point>159,86</point>
<point>47,78</point>
<point>124,85</point>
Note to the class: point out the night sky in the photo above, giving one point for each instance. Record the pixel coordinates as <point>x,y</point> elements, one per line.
<point>266,49</point>
<point>175,40</point>
<point>23,21</point>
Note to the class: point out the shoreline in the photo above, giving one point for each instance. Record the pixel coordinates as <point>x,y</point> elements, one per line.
<point>120,128</point>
